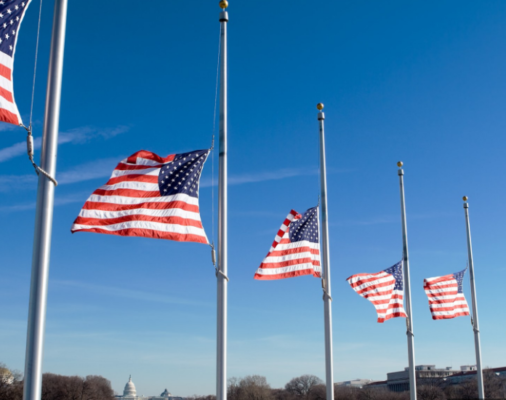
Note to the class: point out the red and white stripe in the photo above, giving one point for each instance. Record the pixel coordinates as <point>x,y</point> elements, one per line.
<point>8,109</point>
<point>130,204</point>
<point>444,300</point>
<point>287,259</point>
<point>379,290</point>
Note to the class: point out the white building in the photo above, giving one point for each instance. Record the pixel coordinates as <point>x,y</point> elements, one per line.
<point>130,393</point>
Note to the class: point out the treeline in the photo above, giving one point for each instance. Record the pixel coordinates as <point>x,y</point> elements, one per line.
<point>310,387</point>
<point>57,387</point>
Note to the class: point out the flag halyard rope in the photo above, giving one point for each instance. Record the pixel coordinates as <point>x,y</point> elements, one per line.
<point>35,64</point>
<point>29,137</point>
<point>218,272</point>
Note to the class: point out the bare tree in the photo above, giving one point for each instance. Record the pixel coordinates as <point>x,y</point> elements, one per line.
<point>197,397</point>
<point>303,386</point>
<point>430,392</point>
<point>11,384</point>
<point>252,387</point>
<point>59,387</point>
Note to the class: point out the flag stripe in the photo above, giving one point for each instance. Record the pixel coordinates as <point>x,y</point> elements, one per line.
<point>380,289</point>
<point>137,217</point>
<point>149,233</point>
<point>131,204</point>
<point>445,300</point>
<point>165,212</point>
<point>288,259</point>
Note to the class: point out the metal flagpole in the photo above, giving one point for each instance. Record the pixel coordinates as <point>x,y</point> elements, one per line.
<point>44,211</point>
<point>221,336</point>
<point>327,299</point>
<point>474,319</point>
<point>407,289</point>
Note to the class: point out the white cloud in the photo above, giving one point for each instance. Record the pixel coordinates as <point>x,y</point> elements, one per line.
<point>77,135</point>
<point>101,168</point>
<point>91,170</point>
<point>128,293</point>
<point>58,201</point>
<point>263,176</point>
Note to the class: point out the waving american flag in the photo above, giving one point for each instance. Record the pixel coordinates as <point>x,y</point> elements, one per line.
<point>296,248</point>
<point>149,196</point>
<point>446,296</point>
<point>383,289</point>
<point>11,15</point>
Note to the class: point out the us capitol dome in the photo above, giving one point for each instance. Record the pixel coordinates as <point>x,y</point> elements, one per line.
<point>130,393</point>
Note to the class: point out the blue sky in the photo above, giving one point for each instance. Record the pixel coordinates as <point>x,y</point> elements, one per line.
<point>422,82</point>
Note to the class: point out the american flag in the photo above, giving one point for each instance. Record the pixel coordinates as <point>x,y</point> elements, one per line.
<point>149,196</point>
<point>383,289</point>
<point>296,248</point>
<point>11,15</point>
<point>446,297</point>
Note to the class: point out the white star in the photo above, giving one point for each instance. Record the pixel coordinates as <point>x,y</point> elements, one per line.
<point>17,8</point>
<point>7,36</point>
<point>5,25</point>
<point>1,15</point>
<point>9,11</point>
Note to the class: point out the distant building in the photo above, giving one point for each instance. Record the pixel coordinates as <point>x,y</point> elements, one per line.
<point>399,381</point>
<point>469,372</point>
<point>130,393</point>
<point>358,383</point>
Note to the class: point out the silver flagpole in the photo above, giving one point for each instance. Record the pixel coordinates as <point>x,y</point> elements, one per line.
<point>407,289</point>
<point>327,299</point>
<point>221,336</point>
<point>474,320</point>
<point>44,211</point>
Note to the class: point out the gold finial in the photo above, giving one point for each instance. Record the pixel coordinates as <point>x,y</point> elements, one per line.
<point>465,198</point>
<point>319,106</point>
<point>223,4</point>
<point>400,164</point>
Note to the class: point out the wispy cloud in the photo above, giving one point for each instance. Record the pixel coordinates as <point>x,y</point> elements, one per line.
<point>91,170</point>
<point>74,136</point>
<point>101,168</point>
<point>9,127</point>
<point>127,293</point>
<point>263,176</point>
<point>59,201</point>
<point>389,219</point>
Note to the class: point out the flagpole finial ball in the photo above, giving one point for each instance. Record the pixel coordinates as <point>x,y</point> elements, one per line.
<point>319,106</point>
<point>399,164</point>
<point>465,198</point>
<point>223,4</point>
